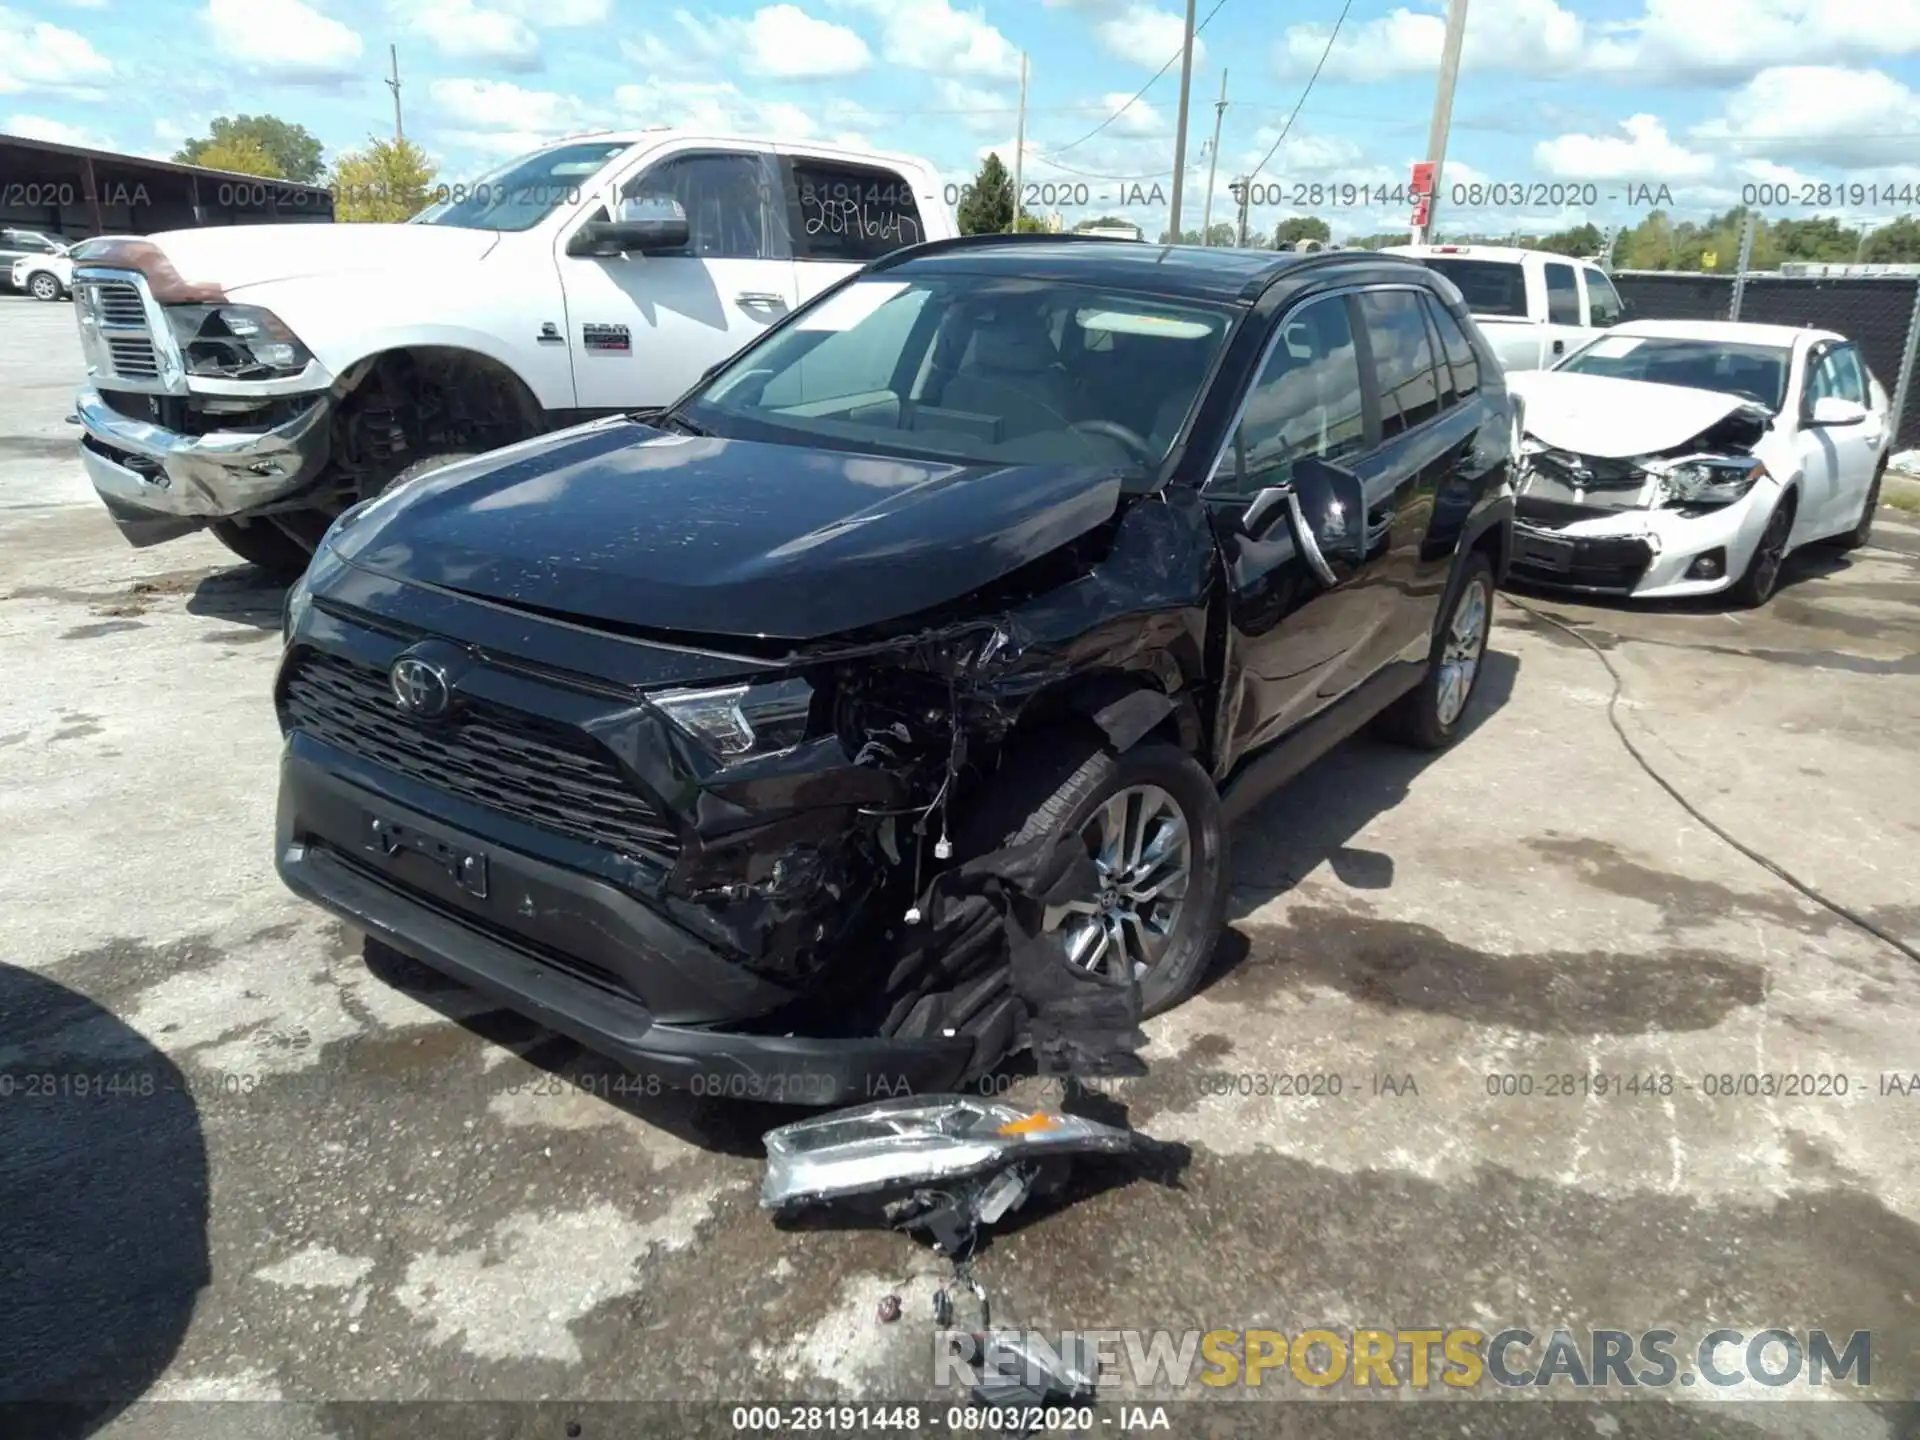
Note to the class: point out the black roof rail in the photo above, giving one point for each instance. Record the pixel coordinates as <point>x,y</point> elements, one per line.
<point>985,242</point>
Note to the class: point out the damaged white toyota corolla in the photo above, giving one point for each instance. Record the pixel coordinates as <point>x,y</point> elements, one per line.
<point>1682,457</point>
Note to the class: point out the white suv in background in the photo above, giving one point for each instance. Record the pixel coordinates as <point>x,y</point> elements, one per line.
<point>36,264</point>
<point>1533,305</point>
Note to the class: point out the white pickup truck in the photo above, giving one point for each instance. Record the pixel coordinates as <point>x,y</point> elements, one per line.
<point>1532,305</point>
<point>259,379</point>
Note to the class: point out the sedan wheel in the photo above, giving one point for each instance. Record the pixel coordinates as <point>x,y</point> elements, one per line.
<point>1143,852</point>
<point>1763,570</point>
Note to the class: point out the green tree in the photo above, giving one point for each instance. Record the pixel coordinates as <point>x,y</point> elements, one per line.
<point>1821,238</point>
<point>295,150</point>
<point>239,153</point>
<point>986,208</point>
<point>1300,227</point>
<point>385,183</point>
<point>1031,224</point>
<point>1579,242</point>
<point>1103,220</point>
<point>1895,243</point>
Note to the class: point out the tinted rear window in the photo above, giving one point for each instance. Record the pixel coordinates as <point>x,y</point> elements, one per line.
<point>1491,287</point>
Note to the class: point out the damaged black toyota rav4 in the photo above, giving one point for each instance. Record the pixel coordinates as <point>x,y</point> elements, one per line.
<point>779,740</point>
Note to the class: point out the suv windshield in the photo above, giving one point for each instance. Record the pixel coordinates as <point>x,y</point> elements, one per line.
<point>1753,372</point>
<point>1491,287</point>
<point>521,193</point>
<point>965,369</point>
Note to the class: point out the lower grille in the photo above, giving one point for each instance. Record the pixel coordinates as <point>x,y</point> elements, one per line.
<point>1604,563</point>
<point>534,770</point>
<point>133,357</point>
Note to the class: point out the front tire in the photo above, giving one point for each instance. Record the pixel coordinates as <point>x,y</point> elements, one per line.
<point>1151,820</point>
<point>1755,587</point>
<point>1429,716</point>
<point>263,544</point>
<point>43,286</point>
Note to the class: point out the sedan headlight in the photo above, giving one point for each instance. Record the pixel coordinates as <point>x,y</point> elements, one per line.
<point>1710,482</point>
<point>236,342</point>
<point>737,721</point>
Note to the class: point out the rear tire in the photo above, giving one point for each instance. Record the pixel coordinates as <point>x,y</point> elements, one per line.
<point>1060,782</point>
<point>1429,716</point>
<point>264,545</point>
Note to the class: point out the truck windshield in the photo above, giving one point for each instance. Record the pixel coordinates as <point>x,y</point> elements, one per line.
<point>521,193</point>
<point>1753,372</point>
<point>1491,287</point>
<point>976,371</point>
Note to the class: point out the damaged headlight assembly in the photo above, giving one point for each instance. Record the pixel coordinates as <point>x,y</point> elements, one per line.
<point>236,342</point>
<point>736,722</point>
<point>1709,482</point>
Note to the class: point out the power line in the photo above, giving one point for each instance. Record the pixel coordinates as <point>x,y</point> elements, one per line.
<point>1334,35</point>
<point>1148,86</point>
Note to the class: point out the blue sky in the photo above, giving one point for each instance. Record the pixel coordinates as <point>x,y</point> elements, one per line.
<point>1582,101</point>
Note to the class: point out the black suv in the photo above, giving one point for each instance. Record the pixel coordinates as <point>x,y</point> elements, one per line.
<point>664,729</point>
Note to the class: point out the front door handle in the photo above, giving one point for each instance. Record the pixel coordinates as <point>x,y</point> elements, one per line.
<point>760,297</point>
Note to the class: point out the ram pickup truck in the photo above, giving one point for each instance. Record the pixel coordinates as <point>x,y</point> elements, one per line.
<point>257,380</point>
<point>1533,306</point>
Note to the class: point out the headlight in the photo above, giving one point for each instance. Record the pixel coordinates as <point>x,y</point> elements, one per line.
<point>236,342</point>
<point>1710,482</point>
<point>742,720</point>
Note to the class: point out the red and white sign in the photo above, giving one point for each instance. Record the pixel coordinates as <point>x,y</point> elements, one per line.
<point>1423,178</point>
<point>1420,212</point>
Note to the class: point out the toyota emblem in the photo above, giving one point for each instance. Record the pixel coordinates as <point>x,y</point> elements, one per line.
<point>420,689</point>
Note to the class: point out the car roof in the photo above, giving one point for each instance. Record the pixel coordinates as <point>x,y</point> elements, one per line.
<point>1506,253</point>
<point>1728,332</point>
<point>1194,272</point>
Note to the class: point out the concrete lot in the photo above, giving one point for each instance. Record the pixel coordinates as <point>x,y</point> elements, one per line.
<point>348,1184</point>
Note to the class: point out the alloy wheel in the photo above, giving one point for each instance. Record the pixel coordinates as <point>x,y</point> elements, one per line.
<point>1465,643</point>
<point>45,287</point>
<point>1771,552</point>
<point>1142,849</point>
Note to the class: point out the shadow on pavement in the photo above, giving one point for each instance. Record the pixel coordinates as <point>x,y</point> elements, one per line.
<point>103,1203</point>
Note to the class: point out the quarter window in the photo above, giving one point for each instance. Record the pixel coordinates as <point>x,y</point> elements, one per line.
<point>1458,350</point>
<point>727,200</point>
<point>1305,401</point>
<point>1402,359</point>
<point>852,212</point>
<point>1603,301</point>
<point>1563,295</point>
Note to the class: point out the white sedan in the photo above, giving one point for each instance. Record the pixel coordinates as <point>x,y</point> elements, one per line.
<point>1683,457</point>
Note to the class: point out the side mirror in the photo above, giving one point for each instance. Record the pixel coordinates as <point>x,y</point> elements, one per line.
<point>601,238</point>
<point>1833,410</point>
<point>1330,508</point>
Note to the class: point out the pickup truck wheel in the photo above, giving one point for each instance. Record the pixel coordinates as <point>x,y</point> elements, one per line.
<point>426,464</point>
<point>1428,716</point>
<point>1150,819</point>
<point>264,544</point>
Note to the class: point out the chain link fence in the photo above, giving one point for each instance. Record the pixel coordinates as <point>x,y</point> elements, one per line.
<point>1874,310</point>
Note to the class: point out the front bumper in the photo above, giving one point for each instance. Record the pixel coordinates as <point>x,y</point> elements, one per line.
<point>1643,553</point>
<point>157,483</point>
<point>420,899</point>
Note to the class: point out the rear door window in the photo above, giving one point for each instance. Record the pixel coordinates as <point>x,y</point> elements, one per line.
<point>850,212</point>
<point>1563,294</point>
<point>1402,359</point>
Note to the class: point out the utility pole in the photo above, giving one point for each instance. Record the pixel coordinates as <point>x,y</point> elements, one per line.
<point>1019,142</point>
<point>1180,125</point>
<point>1213,158</point>
<point>1443,107</point>
<point>393,84</point>
<point>1240,189</point>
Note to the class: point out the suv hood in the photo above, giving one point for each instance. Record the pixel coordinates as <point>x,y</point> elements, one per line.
<point>235,256</point>
<point>623,524</point>
<point>1614,419</point>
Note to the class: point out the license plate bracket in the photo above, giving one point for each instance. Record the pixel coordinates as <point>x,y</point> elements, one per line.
<point>1547,552</point>
<point>390,839</point>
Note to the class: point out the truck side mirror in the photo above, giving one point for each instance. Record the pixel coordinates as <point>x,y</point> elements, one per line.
<point>603,238</point>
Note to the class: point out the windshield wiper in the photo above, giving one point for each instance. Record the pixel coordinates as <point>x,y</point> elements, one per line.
<point>678,422</point>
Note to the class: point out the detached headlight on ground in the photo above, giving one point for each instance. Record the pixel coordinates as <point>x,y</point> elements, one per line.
<point>1719,481</point>
<point>236,342</point>
<point>740,720</point>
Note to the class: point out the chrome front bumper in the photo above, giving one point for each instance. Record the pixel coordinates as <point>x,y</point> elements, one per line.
<point>157,483</point>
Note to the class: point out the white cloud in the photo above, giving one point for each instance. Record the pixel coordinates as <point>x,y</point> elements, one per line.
<point>463,30</point>
<point>717,107</point>
<point>1146,36</point>
<point>1725,40</point>
<point>283,38</point>
<point>1644,152</point>
<point>38,57</point>
<point>985,111</point>
<point>39,127</point>
<point>497,105</point>
<point>1139,118</point>
<point>932,35</point>
<point>1408,42</point>
<point>1819,114</point>
<point>785,42</point>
